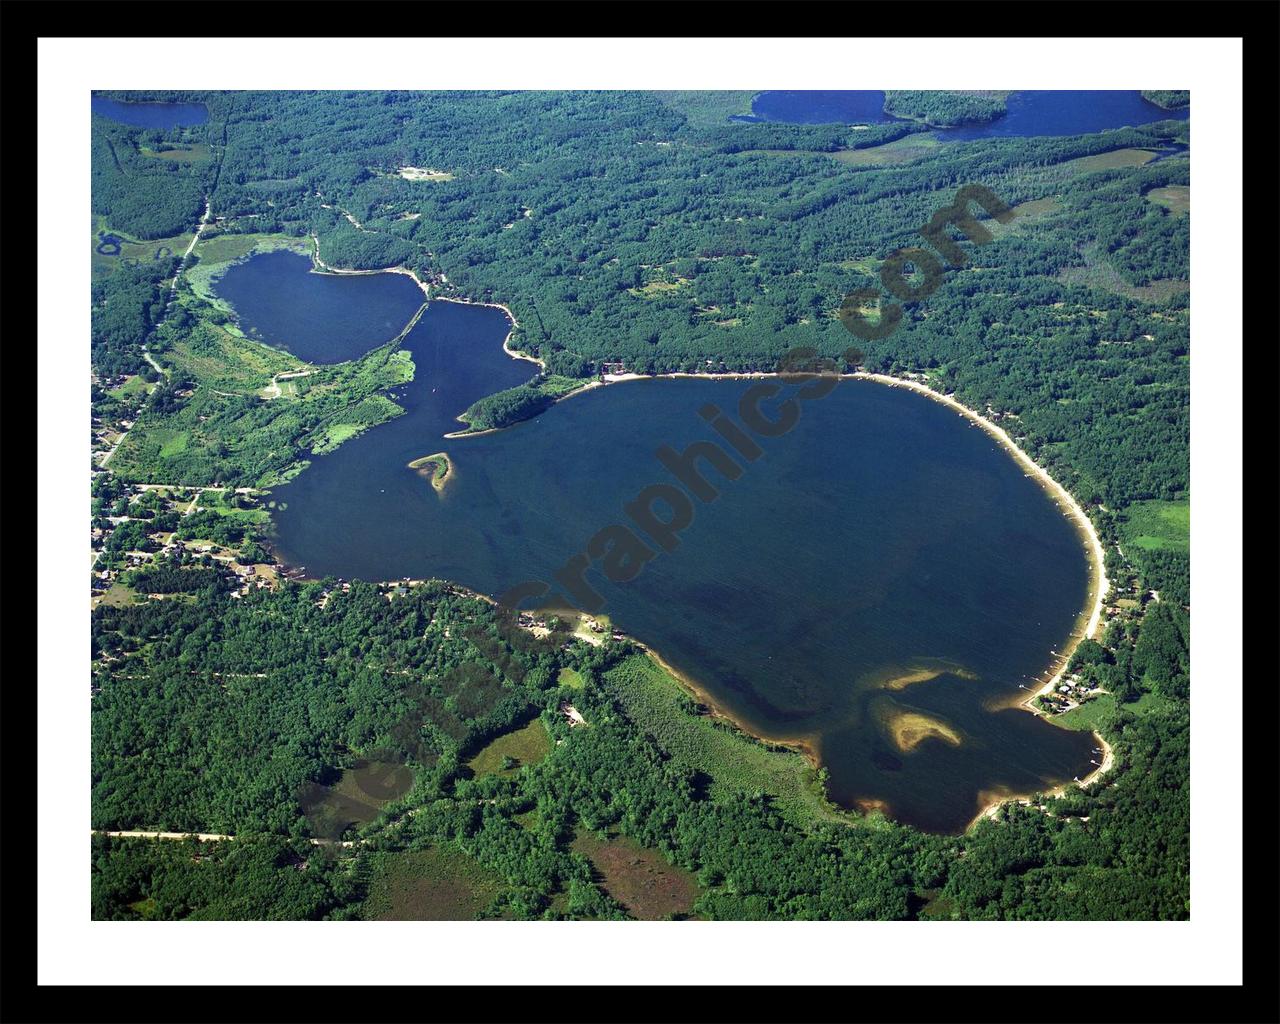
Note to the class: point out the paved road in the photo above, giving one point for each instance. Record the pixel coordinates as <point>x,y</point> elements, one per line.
<point>204,837</point>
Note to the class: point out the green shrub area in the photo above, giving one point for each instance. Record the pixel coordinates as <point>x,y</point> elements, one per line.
<point>265,878</point>
<point>732,760</point>
<point>193,434</point>
<point>218,717</point>
<point>522,402</point>
<point>1170,99</point>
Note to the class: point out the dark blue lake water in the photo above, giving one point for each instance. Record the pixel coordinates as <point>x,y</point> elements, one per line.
<point>1030,112</point>
<point>882,538</point>
<point>322,318</point>
<point>151,115</point>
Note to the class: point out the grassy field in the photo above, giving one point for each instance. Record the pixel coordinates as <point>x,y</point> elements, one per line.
<point>132,387</point>
<point>261,443</point>
<point>571,678</point>
<point>901,151</point>
<point>1157,525</point>
<point>707,106</point>
<point>437,884</point>
<point>117,596</point>
<point>1024,215</point>
<point>639,878</point>
<point>189,153</point>
<point>656,289</point>
<point>527,745</point>
<point>1116,158</point>
<point>1088,717</point>
<point>1174,198</point>
<point>221,503</point>
<point>734,761</point>
<point>373,410</point>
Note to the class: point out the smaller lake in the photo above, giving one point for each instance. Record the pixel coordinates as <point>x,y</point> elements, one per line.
<point>820,106</point>
<point>321,318</point>
<point>1031,112</point>
<point>151,115</point>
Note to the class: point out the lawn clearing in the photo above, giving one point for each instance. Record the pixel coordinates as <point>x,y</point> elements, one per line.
<point>1089,716</point>
<point>707,106</point>
<point>117,596</point>
<point>527,745</point>
<point>188,153</point>
<point>1174,198</point>
<point>905,150</point>
<point>1157,525</point>
<point>1111,161</point>
<point>571,678</point>
<point>133,386</point>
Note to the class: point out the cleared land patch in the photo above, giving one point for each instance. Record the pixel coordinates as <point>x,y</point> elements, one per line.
<point>707,106</point>
<point>1110,161</point>
<point>1100,274</point>
<point>1089,716</point>
<point>571,678</point>
<point>905,150</point>
<point>423,174</point>
<point>437,884</point>
<point>512,751</point>
<point>1174,198</point>
<point>186,153</point>
<point>1158,525</point>
<point>639,878</point>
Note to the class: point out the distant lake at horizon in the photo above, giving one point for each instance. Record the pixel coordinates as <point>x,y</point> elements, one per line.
<point>320,318</point>
<point>151,115</point>
<point>1031,112</point>
<point>883,540</point>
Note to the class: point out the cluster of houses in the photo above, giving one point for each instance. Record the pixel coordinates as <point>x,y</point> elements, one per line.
<point>539,627</point>
<point>1070,692</point>
<point>251,577</point>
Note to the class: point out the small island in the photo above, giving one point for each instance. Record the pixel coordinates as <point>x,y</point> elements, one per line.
<point>437,468</point>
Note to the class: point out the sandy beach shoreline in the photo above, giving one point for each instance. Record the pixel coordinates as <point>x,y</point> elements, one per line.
<point>993,802</point>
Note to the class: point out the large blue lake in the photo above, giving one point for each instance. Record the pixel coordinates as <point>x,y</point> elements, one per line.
<point>151,115</point>
<point>878,585</point>
<point>1030,112</point>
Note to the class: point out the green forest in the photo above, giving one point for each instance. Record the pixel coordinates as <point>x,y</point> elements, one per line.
<point>945,108</point>
<point>642,229</point>
<point>262,704</point>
